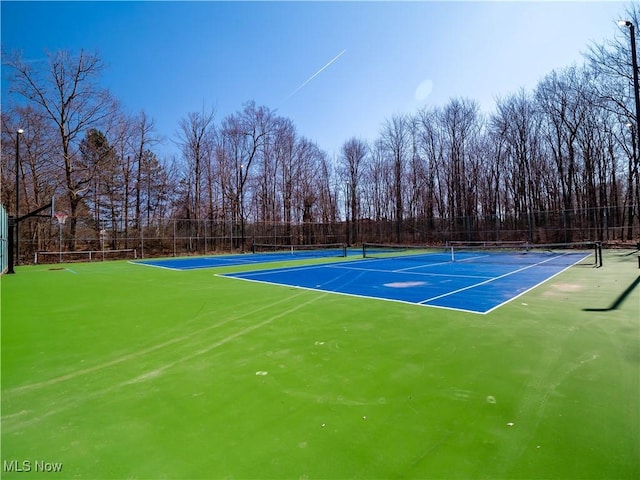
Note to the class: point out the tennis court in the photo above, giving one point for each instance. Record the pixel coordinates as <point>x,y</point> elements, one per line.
<point>261,254</point>
<point>114,371</point>
<point>471,280</point>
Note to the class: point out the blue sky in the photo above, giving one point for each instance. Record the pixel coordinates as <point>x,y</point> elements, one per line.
<point>172,58</point>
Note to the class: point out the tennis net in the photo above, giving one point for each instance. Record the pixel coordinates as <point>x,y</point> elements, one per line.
<point>512,253</point>
<point>317,250</point>
<point>409,252</point>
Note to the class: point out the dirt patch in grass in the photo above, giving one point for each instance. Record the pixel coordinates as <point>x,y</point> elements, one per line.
<point>562,288</point>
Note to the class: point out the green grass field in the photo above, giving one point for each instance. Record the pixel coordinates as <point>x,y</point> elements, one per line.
<point>118,371</point>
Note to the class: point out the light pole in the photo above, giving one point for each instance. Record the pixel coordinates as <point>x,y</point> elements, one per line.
<point>18,133</point>
<point>633,168</point>
<point>634,64</point>
<point>241,189</point>
<point>636,91</point>
<point>346,212</point>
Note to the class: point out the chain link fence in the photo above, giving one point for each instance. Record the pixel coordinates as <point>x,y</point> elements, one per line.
<point>4,240</point>
<point>180,237</point>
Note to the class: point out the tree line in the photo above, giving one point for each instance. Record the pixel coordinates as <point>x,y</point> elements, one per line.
<point>557,163</point>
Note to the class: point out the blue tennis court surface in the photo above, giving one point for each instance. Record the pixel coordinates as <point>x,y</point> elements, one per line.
<point>194,263</point>
<point>472,283</point>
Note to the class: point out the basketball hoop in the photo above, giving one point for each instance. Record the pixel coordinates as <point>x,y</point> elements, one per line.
<point>61,217</point>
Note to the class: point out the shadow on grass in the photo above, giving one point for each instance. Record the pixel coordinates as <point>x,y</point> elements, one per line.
<point>618,301</point>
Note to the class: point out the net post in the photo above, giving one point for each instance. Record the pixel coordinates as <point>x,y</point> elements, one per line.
<point>453,258</point>
<point>599,256</point>
<point>10,238</point>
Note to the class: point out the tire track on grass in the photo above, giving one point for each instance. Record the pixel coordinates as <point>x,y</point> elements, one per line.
<point>9,428</point>
<point>531,410</point>
<point>140,353</point>
<point>156,372</point>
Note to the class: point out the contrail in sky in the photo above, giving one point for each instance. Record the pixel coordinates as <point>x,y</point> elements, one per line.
<point>314,75</point>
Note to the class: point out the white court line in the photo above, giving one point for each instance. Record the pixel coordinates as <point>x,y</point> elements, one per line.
<point>470,259</point>
<point>424,265</point>
<point>498,278</point>
<point>354,295</point>
<point>156,266</point>
<point>422,274</point>
<point>270,270</point>
<point>347,266</point>
<point>224,262</point>
<point>536,285</point>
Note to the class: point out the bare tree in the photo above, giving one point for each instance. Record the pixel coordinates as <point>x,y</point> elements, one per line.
<point>283,148</point>
<point>98,159</point>
<point>431,151</point>
<point>142,140</point>
<point>396,138</point>
<point>515,126</point>
<point>243,136</point>
<point>306,187</point>
<point>354,154</point>
<point>559,96</point>
<point>196,139</point>
<point>37,175</point>
<point>460,128</point>
<point>612,61</point>
<point>66,93</point>
<point>327,201</point>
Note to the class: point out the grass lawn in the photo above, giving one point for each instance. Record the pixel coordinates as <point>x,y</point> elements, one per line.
<point>119,371</point>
